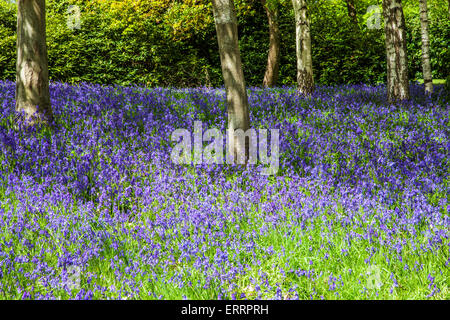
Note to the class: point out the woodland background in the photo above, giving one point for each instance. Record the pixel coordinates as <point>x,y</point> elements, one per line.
<point>169,43</point>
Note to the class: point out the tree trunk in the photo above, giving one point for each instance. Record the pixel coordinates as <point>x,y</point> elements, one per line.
<point>32,87</point>
<point>230,58</point>
<point>351,9</point>
<point>426,66</point>
<point>305,78</point>
<point>273,59</point>
<point>396,56</point>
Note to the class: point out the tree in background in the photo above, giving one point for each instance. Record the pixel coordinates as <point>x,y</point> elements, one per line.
<point>230,58</point>
<point>32,86</point>
<point>351,9</point>
<point>273,58</point>
<point>305,78</point>
<point>396,55</point>
<point>426,66</point>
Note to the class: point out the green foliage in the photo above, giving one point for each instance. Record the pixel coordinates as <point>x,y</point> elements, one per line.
<point>343,52</point>
<point>7,41</point>
<point>167,43</point>
<point>109,50</point>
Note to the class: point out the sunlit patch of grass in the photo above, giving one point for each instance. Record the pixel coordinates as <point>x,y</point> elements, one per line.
<point>435,81</point>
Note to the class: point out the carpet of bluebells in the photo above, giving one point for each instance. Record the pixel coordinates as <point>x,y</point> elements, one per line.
<point>359,208</point>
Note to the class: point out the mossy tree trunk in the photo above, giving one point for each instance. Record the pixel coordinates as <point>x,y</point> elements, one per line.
<point>305,77</point>
<point>32,86</point>
<point>426,66</point>
<point>396,55</point>
<point>273,58</point>
<point>230,58</point>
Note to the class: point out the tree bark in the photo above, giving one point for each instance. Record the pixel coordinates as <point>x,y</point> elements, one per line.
<point>273,58</point>
<point>396,55</point>
<point>32,86</point>
<point>426,66</point>
<point>351,9</point>
<point>305,77</point>
<point>230,58</point>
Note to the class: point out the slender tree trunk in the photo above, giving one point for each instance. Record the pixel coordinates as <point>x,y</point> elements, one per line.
<point>396,55</point>
<point>230,58</point>
<point>273,59</point>
<point>305,78</point>
<point>351,9</point>
<point>32,87</point>
<point>426,66</point>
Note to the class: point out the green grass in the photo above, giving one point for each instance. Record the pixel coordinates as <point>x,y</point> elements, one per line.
<point>435,81</point>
